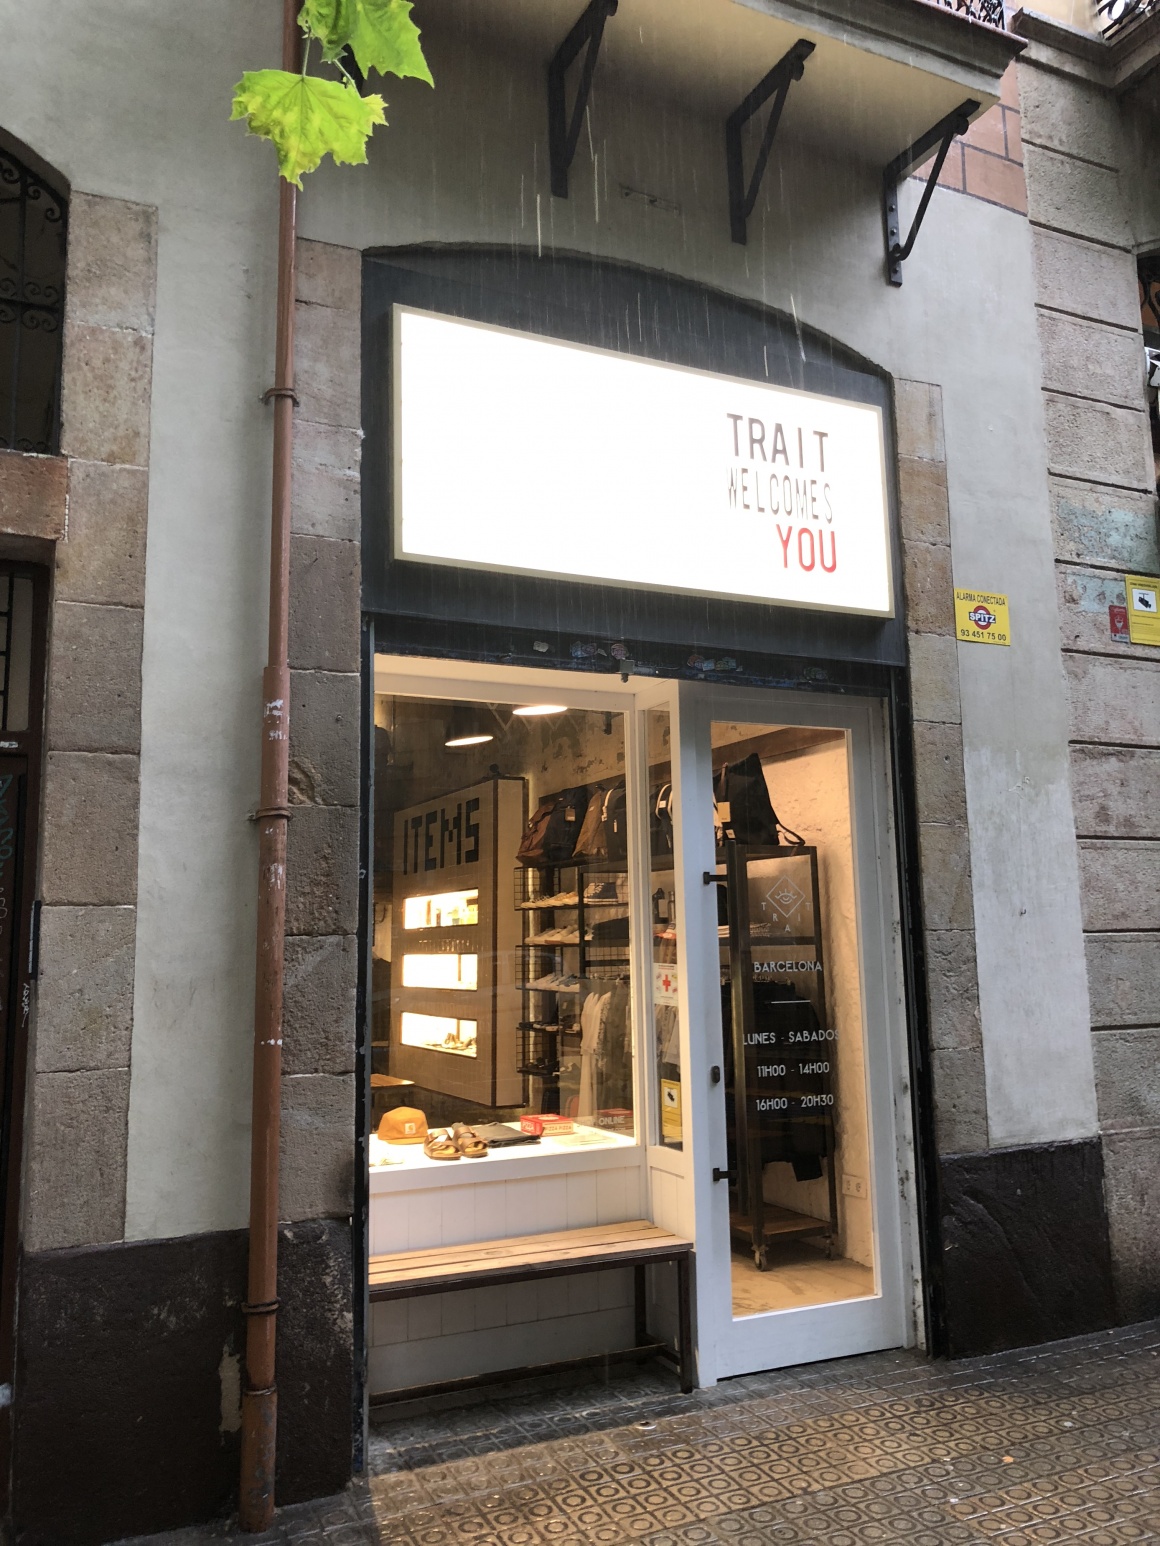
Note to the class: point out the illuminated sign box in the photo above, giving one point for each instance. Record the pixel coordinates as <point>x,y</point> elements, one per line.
<point>529,455</point>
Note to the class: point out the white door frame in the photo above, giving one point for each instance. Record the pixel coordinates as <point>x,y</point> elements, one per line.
<point>683,1196</point>
<point>728,1347</point>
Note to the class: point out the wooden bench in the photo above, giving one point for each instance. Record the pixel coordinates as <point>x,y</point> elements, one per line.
<point>479,1264</point>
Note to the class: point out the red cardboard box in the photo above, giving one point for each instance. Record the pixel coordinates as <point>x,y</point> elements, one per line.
<point>547,1126</point>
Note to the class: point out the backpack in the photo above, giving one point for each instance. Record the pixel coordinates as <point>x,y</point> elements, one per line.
<point>531,849</point>
<point>592,843</point>
<point>752,818</point>
<point>616,822</point>
<point>564,824</point>
<point>661,825</point>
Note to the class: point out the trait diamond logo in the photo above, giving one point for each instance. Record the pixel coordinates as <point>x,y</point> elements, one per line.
<point>784,899</point>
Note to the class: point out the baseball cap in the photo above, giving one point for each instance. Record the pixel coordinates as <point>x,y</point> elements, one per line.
<point>403,1125</point>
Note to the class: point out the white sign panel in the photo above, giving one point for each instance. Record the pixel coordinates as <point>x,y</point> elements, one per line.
<point>525,454</point>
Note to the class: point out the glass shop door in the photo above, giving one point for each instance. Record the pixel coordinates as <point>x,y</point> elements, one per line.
<point>803,1241</point>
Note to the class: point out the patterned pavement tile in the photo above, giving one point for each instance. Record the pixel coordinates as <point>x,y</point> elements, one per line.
<point>1042,1447</point>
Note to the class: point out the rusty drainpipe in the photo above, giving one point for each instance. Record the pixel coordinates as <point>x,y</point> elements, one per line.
<point>259,1395</point>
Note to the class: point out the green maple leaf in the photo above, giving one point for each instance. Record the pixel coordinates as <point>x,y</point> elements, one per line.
<point>306,118</point>
<point>331,22</point>
<point>385,39</point>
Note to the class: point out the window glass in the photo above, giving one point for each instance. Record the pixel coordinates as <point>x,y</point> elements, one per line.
<point>663,914</point>
<point>502,993</point>
<point>791,1006</point>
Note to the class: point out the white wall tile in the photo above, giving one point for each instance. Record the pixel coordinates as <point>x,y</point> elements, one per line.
<point>583,1296</point>
<point>490,1311</point>
<point>457,1312</point>
<point>614,1289</point>
<point>612,1196</point>
<point>581,1201</point>
<point>522,1303</point>
<point>424,1317</point>
<point>506,1347</point>
<point>388,1322</point>
<point>460,1212</point>
<point>388,1229</point>
<point>424,1228</point>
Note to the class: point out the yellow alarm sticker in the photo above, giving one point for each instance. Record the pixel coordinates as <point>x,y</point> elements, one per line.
<point>1143,608</point>
<point>981,617</point>
<point>671,1110</point>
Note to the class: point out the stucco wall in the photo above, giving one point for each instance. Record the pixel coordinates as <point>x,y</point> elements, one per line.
<point>468,163</point>
<point>815,251</point>
<point>148,89</point>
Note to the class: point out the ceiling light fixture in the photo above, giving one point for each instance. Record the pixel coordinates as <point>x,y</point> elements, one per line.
<point>533,710</point>
<point>465,728</point>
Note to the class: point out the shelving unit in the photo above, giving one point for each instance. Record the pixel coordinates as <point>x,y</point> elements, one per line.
<point>555,973</point>
<point>454,998</point>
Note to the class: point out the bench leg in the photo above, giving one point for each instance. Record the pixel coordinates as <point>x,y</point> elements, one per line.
<point>640,1304</point>
<point>685,1323</point>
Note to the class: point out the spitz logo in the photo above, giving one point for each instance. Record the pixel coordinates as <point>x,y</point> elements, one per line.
<point>981,616</point>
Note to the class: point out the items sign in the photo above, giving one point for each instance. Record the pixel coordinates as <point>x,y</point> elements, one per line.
<point>530,455</point>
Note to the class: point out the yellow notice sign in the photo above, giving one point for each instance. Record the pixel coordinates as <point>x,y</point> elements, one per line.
<point>1143,608</point>
<point>671,1110</point>
<point>981,617</point>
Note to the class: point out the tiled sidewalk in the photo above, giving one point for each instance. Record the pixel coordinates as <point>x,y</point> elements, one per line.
<point>1059,1444</point>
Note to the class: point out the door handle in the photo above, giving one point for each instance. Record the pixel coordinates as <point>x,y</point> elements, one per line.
<point>724,1175</point>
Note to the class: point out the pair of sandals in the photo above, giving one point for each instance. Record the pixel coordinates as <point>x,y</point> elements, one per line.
<point>456,1142</point>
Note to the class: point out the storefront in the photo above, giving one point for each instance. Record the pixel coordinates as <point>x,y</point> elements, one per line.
<point>636,923</point>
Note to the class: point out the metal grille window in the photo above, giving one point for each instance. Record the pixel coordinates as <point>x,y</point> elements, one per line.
<point>33,230</point>
<point>1116,15</point>
<point>989,11</point>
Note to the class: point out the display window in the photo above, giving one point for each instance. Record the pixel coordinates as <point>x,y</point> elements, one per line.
<point>638,961</point>
<point>502,966</point>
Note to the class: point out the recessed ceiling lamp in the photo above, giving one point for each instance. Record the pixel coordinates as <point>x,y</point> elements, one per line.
<point>533,710</point>
<point>466,728</point>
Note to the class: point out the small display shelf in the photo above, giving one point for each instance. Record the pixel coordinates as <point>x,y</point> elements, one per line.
<point>455,1002</point>
<point>575,930</point>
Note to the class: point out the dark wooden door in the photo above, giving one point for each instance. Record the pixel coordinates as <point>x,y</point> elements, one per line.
<point>23,631</point>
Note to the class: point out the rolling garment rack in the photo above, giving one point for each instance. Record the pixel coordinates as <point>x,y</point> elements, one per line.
<point>783,1083</point>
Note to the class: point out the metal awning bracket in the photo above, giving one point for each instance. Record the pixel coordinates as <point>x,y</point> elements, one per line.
<point>563,135</point>
<point>942,135</point>
<point>742,199</point>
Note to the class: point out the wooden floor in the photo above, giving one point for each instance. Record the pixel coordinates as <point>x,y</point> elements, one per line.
<point>799,1275</point>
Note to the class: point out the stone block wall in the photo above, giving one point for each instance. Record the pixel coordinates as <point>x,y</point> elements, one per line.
<point>178,1300</point>
<point>318,1089</point>
<point>79,1084</point>
<point>1104,515</point>
<point>940,787</point>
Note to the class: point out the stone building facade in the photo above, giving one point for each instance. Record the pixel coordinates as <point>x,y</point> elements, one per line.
<point>1024,780</point>
<point>1089,108</point>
